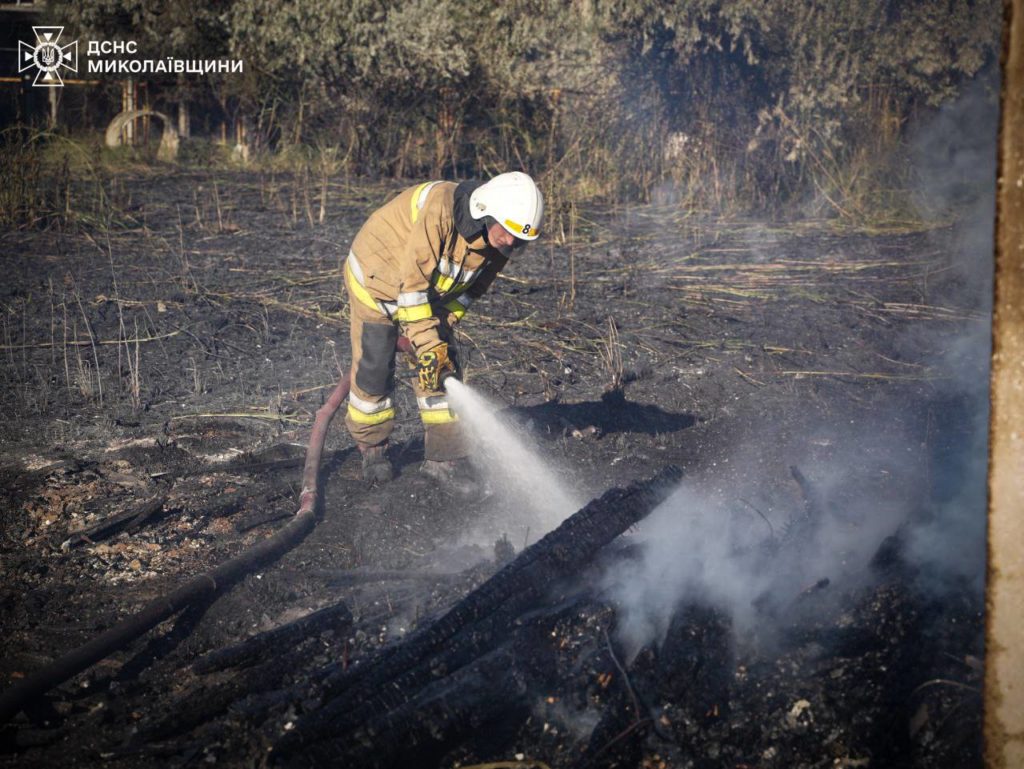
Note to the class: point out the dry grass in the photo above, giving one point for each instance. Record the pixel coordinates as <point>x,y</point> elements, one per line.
<point>611,357</point>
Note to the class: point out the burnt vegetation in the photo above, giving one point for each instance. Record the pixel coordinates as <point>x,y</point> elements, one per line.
<point>746,335</point>
<point>109,504</point>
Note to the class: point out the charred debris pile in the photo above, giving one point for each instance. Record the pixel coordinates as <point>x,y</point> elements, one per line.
<point>519,663</point>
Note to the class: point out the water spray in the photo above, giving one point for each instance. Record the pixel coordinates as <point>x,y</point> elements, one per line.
<point>514,466</point>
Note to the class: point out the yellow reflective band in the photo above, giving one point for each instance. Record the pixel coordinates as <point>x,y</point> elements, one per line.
<point>357,290</point>
<point>456,308</point>
<point>446,285</point>
<point>412,314</point>
<point>443,283</point>
<point>521,229</point>
<point>438,417</point>
<point>369,419</point>
<point>414,207</point>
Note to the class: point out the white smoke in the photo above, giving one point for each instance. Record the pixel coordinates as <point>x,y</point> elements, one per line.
<point>955,157</point>
<point>741,539</point>
<point>872,479</point>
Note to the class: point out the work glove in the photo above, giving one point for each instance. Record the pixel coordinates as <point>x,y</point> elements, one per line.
<point>449,313</point>
<point>433,366</point>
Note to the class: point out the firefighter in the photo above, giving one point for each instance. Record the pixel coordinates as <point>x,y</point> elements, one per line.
<point>415,267</point>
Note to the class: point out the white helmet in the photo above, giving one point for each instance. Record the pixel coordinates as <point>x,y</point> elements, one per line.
<point>513,200</point>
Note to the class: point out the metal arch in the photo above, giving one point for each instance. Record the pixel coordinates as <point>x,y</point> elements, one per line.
<point>114,135</point>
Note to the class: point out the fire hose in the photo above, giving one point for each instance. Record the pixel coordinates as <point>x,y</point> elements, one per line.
<point>202,586</point>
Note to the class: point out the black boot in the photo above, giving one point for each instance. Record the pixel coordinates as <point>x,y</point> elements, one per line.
<point>456,475</point>
<point>376,467</point>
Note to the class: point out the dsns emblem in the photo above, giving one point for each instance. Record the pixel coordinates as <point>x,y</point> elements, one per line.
<point>48,56</point>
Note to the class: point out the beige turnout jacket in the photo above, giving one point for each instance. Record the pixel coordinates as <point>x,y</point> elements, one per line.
<point>410,262</point>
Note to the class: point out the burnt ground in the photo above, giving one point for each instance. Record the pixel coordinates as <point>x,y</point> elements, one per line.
<point>167,350</point>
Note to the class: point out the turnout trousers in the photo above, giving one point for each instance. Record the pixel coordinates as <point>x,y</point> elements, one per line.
<point>370,417</point>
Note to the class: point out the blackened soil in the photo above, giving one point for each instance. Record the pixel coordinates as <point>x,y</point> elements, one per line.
<point>176,349</point>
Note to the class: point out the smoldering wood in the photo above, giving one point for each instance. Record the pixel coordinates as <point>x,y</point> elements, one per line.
<point>491,689</point>
<point>366,702</point>
<point>389,680</point>
<point>558,554</point>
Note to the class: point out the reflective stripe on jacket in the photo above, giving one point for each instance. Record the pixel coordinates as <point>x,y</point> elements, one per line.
<point>410,263</point>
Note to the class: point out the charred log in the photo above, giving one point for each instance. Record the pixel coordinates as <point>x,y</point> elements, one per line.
<point>129,520</point>
<point>479,622</point>
<point>210,701</point>
<point>490,691</point>
<point>252,650</point>
<point>347,577</point>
